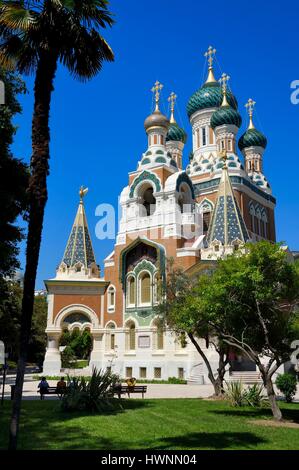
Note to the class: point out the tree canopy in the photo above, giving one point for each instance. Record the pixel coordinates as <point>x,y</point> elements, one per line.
<point>13,176</point>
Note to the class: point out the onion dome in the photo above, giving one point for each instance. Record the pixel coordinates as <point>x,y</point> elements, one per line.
<point>209,96</point>
<point>226,115</point>
<point>175,133</point>
<point>252,137</point>
<point>156,119</point>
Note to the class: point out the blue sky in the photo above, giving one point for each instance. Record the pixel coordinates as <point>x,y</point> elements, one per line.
<point>97,133</point>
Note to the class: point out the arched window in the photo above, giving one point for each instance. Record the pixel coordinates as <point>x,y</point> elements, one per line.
<point>131,291</point>
<point>155,289</point>
<point>111,298</point>
<point>145,288</point>
<point>130,336</point>
<point>148,200</point>
<point>206,208</point>
<point>204,136</point>
<point>197,138</point>
<point>110,337</point>
<point>184,198</point>
<point>158,335</point>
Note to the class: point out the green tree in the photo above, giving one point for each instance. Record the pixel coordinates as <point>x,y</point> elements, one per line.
<point>13,177</point>
<point>78,342</point>
<point>10,322</point>
<point>251,302</point>
<point>185,314</point>
<point>35,36</point>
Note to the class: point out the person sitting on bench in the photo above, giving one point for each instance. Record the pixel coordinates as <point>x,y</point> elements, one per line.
<point>131,383</point>
<point>43,387</point>
<point>61,386</point>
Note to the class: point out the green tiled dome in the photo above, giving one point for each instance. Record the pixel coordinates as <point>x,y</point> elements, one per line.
<point>226,115</point>
<point>176,133</point>
<point>209,96</point>
<point>252,138</point>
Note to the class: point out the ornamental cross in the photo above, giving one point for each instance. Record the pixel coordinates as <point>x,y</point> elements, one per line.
<point>223,81</point>
<point>156,90</point>
<point>83,191</point>
<point>210,54</point>
<point>250,106</point>
<point>172,99</point>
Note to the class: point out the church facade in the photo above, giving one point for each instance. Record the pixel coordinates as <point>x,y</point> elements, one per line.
<point>192,216</point>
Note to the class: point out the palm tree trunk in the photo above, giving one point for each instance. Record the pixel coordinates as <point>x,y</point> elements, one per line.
<point>37,193</point>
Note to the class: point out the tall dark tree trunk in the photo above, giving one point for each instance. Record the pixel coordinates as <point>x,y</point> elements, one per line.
<point>223,361</point>
<point>217,382</point>
<point>37,192</point>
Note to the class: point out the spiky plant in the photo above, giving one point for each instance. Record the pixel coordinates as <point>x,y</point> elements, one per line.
<point>93,394</point>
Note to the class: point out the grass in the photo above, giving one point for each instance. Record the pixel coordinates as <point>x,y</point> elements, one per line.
<point>151,424</point>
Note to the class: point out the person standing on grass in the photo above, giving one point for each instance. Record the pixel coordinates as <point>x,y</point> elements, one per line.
<point>43,387</point>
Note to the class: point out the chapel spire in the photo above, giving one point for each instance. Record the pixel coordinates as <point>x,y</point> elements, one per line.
<point>227,230</point>
<point>79,250</point>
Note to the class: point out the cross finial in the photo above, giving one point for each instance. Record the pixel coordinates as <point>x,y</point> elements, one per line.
<point>223,82</point>
<point>83,191</point>
<point>157,90</point>
<point>210,53</point>
<point>223,156</point>
<point>172,99</point>
<point>250,107</point>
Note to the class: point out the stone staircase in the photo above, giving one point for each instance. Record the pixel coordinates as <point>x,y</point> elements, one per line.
<point>246,377</point>
<point>195,379</point>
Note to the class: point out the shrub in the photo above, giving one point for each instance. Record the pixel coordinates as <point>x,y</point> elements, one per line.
<point>67,357</point>
<point>287,384</point>
<point>254,395</point>
<point>235,393</point>
<point>92,394</point>
<point>175,380</point>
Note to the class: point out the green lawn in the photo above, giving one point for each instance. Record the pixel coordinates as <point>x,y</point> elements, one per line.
<point>151,424</point>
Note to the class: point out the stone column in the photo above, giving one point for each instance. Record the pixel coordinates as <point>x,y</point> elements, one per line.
<point>96,356</point>
<point>52,362</point>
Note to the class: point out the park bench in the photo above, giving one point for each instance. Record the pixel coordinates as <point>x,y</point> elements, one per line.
<point>125,389</point>
<point>51,391</point>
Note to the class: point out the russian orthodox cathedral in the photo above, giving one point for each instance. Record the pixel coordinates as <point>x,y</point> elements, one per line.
<point>191,216</point>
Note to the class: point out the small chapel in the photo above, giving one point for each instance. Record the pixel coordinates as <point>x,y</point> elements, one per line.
<point>192,216</point>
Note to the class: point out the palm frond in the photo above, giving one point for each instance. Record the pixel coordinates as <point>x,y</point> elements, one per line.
<point>16,17</point>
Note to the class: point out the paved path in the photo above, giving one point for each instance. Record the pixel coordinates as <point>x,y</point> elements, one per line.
<point>153,390</point>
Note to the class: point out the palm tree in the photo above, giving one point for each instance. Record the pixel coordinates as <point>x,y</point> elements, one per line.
<point>34,37</point>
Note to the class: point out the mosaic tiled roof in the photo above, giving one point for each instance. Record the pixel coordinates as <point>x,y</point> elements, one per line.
<point>227,223</point>
<point>209,96</point>
<point>79,247</point>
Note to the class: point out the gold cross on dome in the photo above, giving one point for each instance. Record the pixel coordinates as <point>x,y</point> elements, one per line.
<point>223,81</point>
<point>250,106</point>
<point>210,54</point>
<point>172,99</point>
<point>157,90</point>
